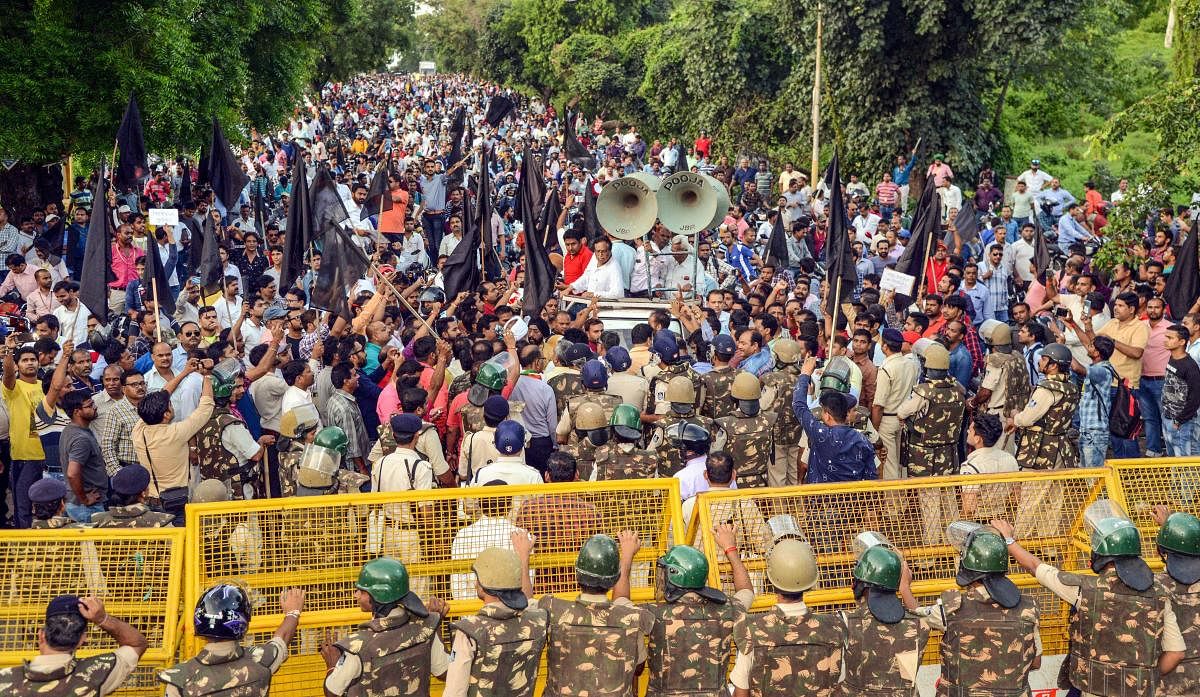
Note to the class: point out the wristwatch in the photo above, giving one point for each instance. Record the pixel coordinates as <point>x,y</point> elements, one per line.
<point>1010,541</point>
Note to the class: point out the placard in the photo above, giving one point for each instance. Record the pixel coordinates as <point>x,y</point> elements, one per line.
<point>893,280</point>
<point>164,216</point>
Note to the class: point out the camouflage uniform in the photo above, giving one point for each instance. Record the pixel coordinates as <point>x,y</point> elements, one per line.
<point>246,672</point>
<point>607,402</point>
<point>872,653</point>
<point>1007,376</point>
<point>395,652</point>
<point>986,649</point>
<point>289,467</point>
<point>594,648</point>
<point>932,432</point>
<point>81,677</point>
<point>58,521</point>
<point>566,384</point>
<point>751,441</point>
<point>458,385</point>
<point>472,417</point>
<point>1185,602</point>
<point>137,515</point>
<point>1049,444</point>
<point>668,454</point>
<point>508,647</point>
<point>689,647</point>
<point>585,457</point>
<point>1104,653</point>
<point>624,461</point>
<point>215,462</point>
<point>793,654</point>
<point>658,386</point>
<point>778,386</point>
<point>716,383</point>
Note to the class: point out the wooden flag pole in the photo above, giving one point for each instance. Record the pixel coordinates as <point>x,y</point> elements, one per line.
<point>837,308</point>
<point>816,103</point>
<point>404,301</point>
<point>112,172</point>
<point>157,310</point>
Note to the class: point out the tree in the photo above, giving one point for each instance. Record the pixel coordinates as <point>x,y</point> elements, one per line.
<point>376,30</point>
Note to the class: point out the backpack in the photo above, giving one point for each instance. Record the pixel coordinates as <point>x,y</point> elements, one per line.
<point>1125,419</point>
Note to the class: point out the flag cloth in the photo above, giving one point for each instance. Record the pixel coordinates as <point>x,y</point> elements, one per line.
<point>575,151</point>
<point>97,254</point>
<point>456,136</point>
<point>1041,253</point>
<point>839,260</point>
<point>260,214</point>
<point>299,229</point>
<point>224,171</point>
<point>131,144</point>
<point>482,219</point>
<point>325,201</point>
<point>379,196</point>
<point>547,224</point>
<point>925,224</point>
<point>499,107</point>
<point>183,196</point>
<point>777,251</point>
<point>1183,283</point>
<point>154,280</point>
<point>342,265</point>
<point>461,270</point>
<point>591,223</point>
<point>540,274</point>
<point>208,265</point>
<point>530,175</point>
<point>681,161</point>
<point>967,224</point>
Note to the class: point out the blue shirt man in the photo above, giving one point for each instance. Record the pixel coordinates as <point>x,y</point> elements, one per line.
<point>1069,229</point>
<point>837,452</point>
<point>738,256</point>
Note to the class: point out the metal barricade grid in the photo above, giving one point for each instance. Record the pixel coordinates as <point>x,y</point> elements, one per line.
<point>1144,483</point>
<point>1045,507</point>
<point>135,572</point>
<point>320,543</point>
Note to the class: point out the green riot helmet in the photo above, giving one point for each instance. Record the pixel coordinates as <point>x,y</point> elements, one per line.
<point>837,375</point>
<point>877,576</point>
<point>1179,543</point>
<point>683,569</point>
<point>1116,537</point>
<point>1117,541</point>
<point>224,385</point>
<point>333,438</point>
<point>984,559</point>
<point>626,422</point>
<point>879,566</point>
<point>386,581</point>
<point>489,381</point>
<point>599,562</point>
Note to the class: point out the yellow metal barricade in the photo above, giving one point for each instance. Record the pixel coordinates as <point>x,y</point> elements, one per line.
<point>1143,483</point>
<point>320,543</point>
<point>1045,507</point>
<point>134,571</point>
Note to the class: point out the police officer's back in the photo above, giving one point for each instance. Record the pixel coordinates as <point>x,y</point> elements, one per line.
<point>398,648</point>
<point>49,499</point>
<point>57,672</point>
<point>749,431</point>
<point>496,652</point>
<point>619,457</point>
<point>127,502</point>
<point>222,617</point>
<point>1179,545</point>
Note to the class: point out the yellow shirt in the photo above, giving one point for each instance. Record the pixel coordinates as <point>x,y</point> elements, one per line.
<point>1134,333</point>
<point>22,399</point>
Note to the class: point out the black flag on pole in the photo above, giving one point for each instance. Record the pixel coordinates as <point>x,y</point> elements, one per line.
<point>97,254</point>
<point>131,145</point>
<point>379,196</point>
<point>342,265</point>
<point>299,229</point>
<point>914,259</point>
<point>1183,283</point>
<point>154,280</point>
<point>540,274</point>
<point>839,260</point>
<point>224,172</point>
<point>777,251</point>
<point>183,196</point>
<point>499,107</point>
<point>482,221</point>
<point>461,271</point>
<point>456,136</point>
<point>575,151</point>
<point>208,265</point>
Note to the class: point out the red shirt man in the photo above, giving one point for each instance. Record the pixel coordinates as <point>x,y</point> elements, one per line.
<point>577,257</point>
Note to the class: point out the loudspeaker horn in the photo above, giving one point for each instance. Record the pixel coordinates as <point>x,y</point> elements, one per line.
<point>648,179</point>
<point>686,203</point>
<point>626,208</point>
<point>722,201</point>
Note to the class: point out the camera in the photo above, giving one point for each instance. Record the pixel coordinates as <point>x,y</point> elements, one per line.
<point>1061,312</point>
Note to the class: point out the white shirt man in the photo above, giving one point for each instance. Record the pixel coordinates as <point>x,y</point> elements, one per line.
<point>228,311</point>
<point>952,199</point>
<point>1035,179</point>
<point>510,469</point>
<point>602,280</point>
<point>865,226</point>
<point>295,397</point>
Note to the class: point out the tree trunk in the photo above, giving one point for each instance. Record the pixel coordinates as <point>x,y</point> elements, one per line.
<point>1003,95</point>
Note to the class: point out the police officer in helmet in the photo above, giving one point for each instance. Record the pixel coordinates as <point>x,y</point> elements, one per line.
<point>398,646</point>
<point>1179,545</point>
<point>222,617</point>
<point>803,649</point>
<point>57,671</point>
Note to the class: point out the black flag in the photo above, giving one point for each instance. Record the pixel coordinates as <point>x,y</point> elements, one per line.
<point>483,218</point>
<point>183,196</point>
<point>326,203</point>
<point>456,136</point>
<point>224,173</point>
<point>966,222</point>
<point>540,274</point>
<point>839,260</point>
<point>925,225</point>
<point>499,107</point>
<point>97,254</point>
<point>575,151</point>
<point>154,280</point>
<point>379,196</point>
<point>259,203</point>
<point>1041,253</point>
<point>1183,283</point>
<point>342,265</point>
<point>299,229</point>
<point>591,223</point>
<point>777,251</point>
<point>131,143</point>
<point>461,271</point>
<point>208,260</point>
<point>547,224</point>
<point>681,161</point>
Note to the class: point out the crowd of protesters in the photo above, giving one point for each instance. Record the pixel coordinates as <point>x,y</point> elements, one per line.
<point>732,378</point>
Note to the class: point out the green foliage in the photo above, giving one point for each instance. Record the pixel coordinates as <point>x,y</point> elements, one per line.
<point>1127,224</point>
<point>68,66</point>
<point>366,39</point>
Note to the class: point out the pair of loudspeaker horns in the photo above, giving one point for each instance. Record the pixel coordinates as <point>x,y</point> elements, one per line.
<point>685,202</point>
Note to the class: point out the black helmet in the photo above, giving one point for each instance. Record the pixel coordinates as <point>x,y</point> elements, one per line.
<point>690,436</point>
<point>222,613</point>
<point>1059,354</point>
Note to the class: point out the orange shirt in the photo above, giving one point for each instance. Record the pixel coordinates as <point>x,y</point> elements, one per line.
<point>393,220</point>
<point>1093,200</point>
